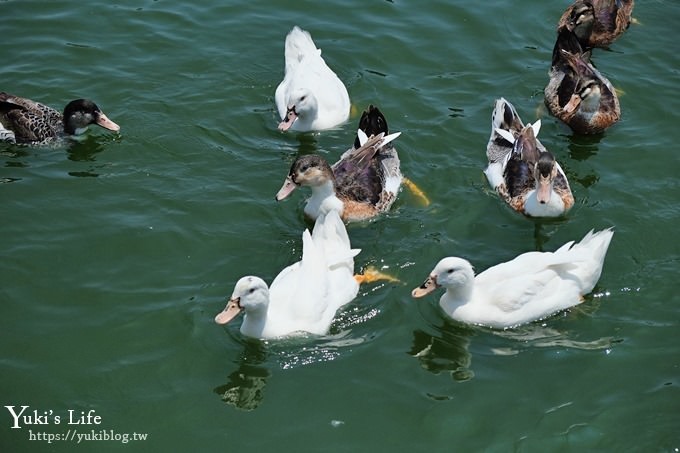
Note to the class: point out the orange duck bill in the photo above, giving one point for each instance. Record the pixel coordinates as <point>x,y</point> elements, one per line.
<point>286,189</point>
<point>106,123</point>
<point>426,288</point>
<point>232,309</point>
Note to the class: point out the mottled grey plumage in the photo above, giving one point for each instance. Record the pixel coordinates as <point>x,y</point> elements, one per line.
<point>30,122</point>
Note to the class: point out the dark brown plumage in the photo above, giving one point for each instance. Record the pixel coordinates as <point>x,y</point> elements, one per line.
<point>577,93</point>
<point>597,23</point>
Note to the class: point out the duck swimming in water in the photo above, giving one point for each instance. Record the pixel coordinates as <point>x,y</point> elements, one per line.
<point>521,170</point>
<point>304,296</point>
<point>577,93</point>
<point>362,184</point>
<point>530,287</point>
<point>597,23</point>
<point>29,122</point>
<point>311,97</point>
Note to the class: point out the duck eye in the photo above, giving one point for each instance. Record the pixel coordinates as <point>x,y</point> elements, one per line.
<point>303,98</point>
<point>304,168</point>
<point>251,290</point>
<point>450,271</point>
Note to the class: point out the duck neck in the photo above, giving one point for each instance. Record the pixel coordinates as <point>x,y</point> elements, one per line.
<point>254,321</point>
<point>323,200</point>
<point>456,298</point>
<point>553,207</point>
<point>591,104</point>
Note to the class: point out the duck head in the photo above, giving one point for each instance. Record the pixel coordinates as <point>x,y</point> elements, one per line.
<point>586,97</point>
<point>81,113</point>
<point>454,274</point>
<point>300,106</point>
<point>581,20</point>
<point>545,172</point>
<point>251,294</point>
<point>309,170</point>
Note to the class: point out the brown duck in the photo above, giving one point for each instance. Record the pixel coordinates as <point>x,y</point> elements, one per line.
<point>362,184</point>
<point>577,93</point>
<point>597,23</point>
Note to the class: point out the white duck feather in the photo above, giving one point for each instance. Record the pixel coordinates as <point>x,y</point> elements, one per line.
<point>530,287</point>
<point>311,97</point>
<point>304,296</point>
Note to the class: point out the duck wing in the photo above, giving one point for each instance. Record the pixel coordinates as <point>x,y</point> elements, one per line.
<point>536,284</point>
<point>298,293</point>
<point>29,120</point>
<point>361,173</point>
<point>330,235</point>
<point>503,118</point>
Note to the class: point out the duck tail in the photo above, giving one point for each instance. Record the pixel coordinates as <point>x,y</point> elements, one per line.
<point>372,122</point>
<point>505,123</point>
<point>6,135</point>
<point>505,116</point>
<point>331,235</point>
<point>597,243</point>
<point>299,44</point>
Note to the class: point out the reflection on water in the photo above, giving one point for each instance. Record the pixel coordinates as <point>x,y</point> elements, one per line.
<point>82,148</point>
<point>289,355</point>
<point>447,347</point>
<point>542,336</point>
<point>582,147</point>
<point>446,353</point>
<point>245,386</point>
<point>85,148</point>
<point>307,144</point>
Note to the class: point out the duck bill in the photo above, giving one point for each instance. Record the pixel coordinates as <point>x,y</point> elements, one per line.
<point>288,121</point>
<point>426,288</point>
<point>543,190</point>
<point>232,309</point>
<point>573,103</point>
<point>286,189</point>
<point>106,123</point>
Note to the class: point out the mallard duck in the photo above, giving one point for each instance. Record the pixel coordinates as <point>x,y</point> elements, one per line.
<point>310,97</point>
<point>362,184</point>
<point>29,122</point>
<point>530,287</point>
<point>577,93</point>
<point>597,23</point>
<point>304,296</point>
<point>521,170</point>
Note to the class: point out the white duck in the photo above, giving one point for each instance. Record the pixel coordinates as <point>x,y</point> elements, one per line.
<point>532,286</point>
<point>523,173</point>
<point>310,97</point>
<point>305,296</point>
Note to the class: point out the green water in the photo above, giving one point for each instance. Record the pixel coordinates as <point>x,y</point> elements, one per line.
<point>118,251</point>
